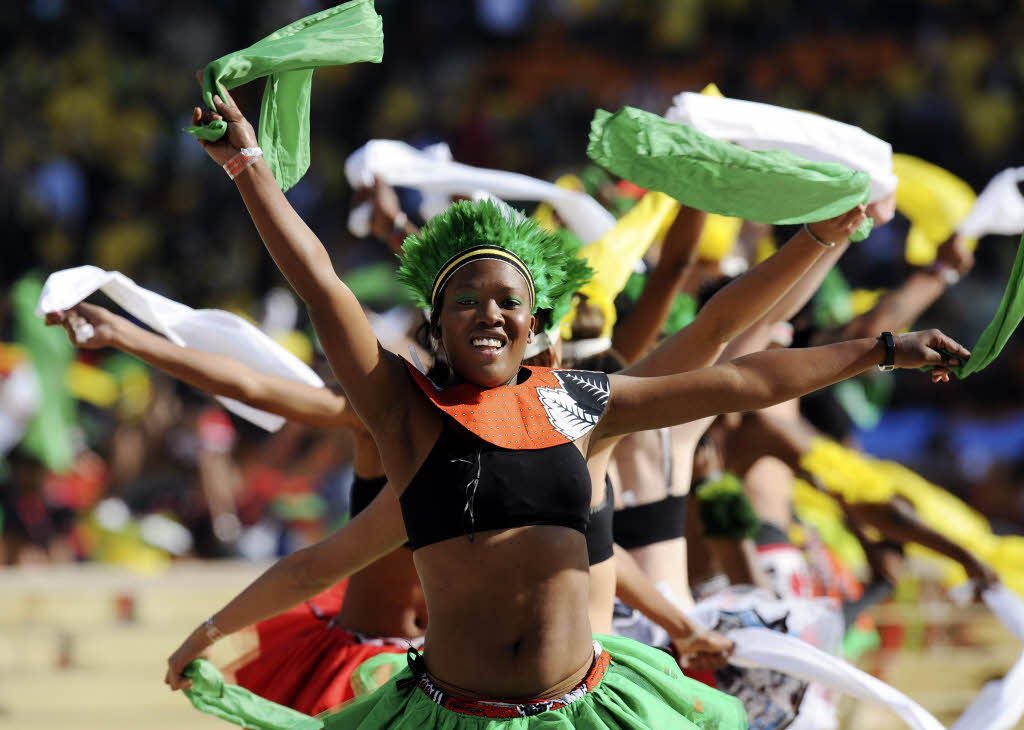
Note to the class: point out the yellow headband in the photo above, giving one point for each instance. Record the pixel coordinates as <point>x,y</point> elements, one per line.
<point>478,253</point>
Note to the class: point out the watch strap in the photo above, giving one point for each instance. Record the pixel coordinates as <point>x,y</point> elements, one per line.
<point>887,339</point>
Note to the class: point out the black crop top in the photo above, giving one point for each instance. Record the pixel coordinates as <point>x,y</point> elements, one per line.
<point>365,490</point>
<point>467,485</point>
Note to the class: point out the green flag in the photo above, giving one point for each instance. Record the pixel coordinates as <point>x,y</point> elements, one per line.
<point>48,437</point>
<point>1003,324</point>
<point>347,33</point>
<point>772,186</point>
<point>209,694</point>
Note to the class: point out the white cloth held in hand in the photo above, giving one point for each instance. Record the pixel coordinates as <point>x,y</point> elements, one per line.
<point>999,209</point>
<point>209,330</point>
<point>757,126</point>
<point>759,647</point>
<point>397,163</point>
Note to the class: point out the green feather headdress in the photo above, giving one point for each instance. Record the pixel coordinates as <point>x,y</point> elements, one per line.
<point>550,261</point>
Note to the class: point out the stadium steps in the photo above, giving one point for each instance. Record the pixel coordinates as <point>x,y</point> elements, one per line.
<point>86,646</point>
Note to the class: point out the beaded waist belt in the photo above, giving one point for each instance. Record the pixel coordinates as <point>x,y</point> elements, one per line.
<point>519,708</point>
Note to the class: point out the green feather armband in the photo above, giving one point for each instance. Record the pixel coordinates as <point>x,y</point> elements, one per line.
<point>725,510</point>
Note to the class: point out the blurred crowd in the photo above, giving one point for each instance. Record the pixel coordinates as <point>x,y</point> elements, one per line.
<point>95,170</point>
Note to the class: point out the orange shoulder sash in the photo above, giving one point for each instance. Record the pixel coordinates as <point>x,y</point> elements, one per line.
<point>549,408</point>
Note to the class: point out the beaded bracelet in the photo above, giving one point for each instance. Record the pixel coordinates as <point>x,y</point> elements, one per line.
<point>246,157</point>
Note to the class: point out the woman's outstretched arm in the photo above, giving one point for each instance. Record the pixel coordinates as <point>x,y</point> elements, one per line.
<point>744,301</point>
<point>761,380</point>
<point>362,366</point>
<point>373,533</point>
<point>216,374</point>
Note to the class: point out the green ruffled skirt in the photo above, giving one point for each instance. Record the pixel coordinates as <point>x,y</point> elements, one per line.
<point>642,688</point>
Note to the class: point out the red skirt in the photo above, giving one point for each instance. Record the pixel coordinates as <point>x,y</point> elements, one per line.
<point>303,661</point>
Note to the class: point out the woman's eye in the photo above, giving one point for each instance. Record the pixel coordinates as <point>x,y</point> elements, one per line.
<point>466,301</point>
<point>512,302</point>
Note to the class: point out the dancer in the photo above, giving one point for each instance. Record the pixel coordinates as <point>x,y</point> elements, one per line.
<point>612,571</point>
<point>487,466</point>
<point>306,659</point>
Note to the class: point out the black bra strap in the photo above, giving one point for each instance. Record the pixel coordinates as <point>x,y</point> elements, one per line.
<point>647,524</point>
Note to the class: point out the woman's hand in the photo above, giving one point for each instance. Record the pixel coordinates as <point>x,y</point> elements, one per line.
<point>87,325</point>
<point>386,209</point>
<point>191,648</point>
<point>955,254</point>
<point>240,133</point>
<point>703,650</point>
<point>840,228</point>
<point>930,347</point>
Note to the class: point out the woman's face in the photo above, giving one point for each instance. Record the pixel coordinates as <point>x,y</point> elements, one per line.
<point>485,321</point>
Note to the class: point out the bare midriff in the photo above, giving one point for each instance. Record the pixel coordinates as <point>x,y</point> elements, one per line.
<point>508,611</point>
<point>385,599</point>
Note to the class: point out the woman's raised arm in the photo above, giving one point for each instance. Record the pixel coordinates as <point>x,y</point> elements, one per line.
<point>216,374</point>
<point>362,366</point>
<point>762,379</point>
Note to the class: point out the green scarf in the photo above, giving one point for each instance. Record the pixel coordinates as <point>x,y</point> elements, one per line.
<point>48,437</point>
<point>229,702</point>
<point>719,177</point>
<point>1005,321</point>
<point>348,33</point>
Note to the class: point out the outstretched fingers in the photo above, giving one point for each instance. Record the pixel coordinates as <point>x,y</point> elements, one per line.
<point>945,350</point>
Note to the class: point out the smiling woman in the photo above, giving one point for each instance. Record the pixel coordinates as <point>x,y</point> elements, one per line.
<point>489,469</point>
<point>484,274</point>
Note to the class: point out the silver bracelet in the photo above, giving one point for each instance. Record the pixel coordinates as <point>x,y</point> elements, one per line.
<point>818,240</point>
<point>212,632</point>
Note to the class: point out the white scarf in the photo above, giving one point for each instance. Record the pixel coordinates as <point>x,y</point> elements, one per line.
<point>209,330</point>
<point>397,163</point>
<point>999,209</point>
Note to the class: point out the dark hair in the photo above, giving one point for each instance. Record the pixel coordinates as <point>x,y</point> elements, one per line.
<point>603,362</point>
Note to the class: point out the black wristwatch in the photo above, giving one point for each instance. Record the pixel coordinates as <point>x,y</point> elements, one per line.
<point>890,351</point>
